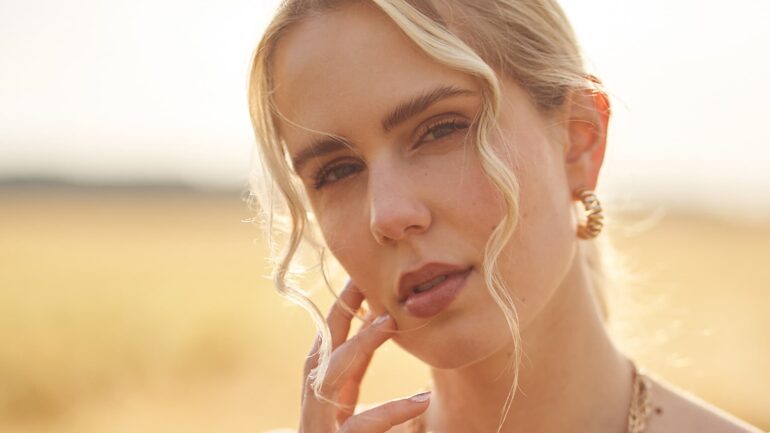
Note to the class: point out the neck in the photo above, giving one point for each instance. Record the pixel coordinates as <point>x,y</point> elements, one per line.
<point>570,368</point>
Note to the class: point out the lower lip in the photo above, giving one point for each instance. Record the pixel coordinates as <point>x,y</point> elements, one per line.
<point>437,299</point>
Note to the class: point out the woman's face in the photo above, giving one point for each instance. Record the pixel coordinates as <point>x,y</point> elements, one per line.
<point>409,189</point>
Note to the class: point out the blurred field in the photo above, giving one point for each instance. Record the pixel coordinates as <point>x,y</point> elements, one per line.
<point>148,311</point>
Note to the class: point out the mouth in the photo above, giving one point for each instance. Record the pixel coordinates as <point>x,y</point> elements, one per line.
<point>435,295</point>
<point>427,278</point>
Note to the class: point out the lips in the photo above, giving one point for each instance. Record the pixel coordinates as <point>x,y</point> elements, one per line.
<point>408,281</point>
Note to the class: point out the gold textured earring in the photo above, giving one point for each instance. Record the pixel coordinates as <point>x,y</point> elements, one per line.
<point>594,219</point>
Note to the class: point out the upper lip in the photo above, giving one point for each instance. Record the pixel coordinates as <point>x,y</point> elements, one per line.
<point>409,280</point>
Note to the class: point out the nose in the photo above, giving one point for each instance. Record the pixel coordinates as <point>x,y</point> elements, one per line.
<point>396,208</point>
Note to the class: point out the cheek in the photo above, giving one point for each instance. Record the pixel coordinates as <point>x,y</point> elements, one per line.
<point>345,238</point>
<point>541,250</point>
<point>341,221</point>
<point>472,205</point>
<point>349,240</point>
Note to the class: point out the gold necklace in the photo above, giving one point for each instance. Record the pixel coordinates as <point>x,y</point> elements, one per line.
<point>638,412</point>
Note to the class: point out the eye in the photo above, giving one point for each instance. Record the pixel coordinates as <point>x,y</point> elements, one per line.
<point>333,173</point>
<point>441,129</point>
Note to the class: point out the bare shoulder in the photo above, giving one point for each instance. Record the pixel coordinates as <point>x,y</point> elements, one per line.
<point>675,410</point>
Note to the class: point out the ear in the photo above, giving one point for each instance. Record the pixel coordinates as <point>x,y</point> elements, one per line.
<point>587,118</point>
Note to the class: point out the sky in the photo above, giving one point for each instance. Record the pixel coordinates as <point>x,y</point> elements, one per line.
<point>155,90</point>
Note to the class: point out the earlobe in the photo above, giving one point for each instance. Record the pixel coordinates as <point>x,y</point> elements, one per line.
<point>587,121</point>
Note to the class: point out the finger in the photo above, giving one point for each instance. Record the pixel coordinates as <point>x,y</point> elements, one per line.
<point>312,357</point>
<point>342,312</point>
<point>338,320</point>
<point>349,399</point>
<point>384,417</point>
<point>348,394</point>
<point>350,360</point>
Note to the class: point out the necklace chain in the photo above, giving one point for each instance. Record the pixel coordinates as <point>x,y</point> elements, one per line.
<point>638,412</point>
<point>641,403</point>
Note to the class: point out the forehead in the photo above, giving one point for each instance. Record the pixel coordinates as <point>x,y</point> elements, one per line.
<point>347,67</point>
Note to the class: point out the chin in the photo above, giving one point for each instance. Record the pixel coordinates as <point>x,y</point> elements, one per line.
<point>448,347</point>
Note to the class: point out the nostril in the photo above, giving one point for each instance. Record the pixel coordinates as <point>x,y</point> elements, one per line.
<point>400,220</point>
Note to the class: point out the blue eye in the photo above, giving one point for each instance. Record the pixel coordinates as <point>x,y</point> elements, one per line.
<point>331,174</point>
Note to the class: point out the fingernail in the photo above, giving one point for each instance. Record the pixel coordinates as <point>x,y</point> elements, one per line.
<point>383,317</point>
<point>421,397</point>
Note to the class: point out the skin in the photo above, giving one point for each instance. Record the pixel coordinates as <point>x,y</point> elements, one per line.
<point>400,198</point>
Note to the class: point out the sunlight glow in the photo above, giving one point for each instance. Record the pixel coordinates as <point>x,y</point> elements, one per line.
<point>145,89</point>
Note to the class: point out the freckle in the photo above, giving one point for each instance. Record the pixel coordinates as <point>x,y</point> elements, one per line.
<point>658,410</point>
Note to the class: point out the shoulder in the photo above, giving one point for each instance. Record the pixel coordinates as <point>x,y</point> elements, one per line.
<point>675,410</point>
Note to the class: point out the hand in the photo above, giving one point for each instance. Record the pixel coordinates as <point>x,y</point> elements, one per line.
<point>348,363</point>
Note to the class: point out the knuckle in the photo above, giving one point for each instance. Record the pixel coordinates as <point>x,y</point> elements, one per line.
<point>326,387</point>
<point>309,380</point>
<point>311,360</point>
<point>309,365</point>
<point>312,355</point>
<point>322,396</point>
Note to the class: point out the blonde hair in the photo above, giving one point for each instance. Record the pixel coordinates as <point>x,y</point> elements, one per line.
<point>530,41</point>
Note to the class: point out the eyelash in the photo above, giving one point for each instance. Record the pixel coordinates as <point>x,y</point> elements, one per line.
<point>456,124</point>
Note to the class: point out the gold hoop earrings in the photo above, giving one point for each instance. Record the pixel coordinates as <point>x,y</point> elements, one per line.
<point>594,219</point>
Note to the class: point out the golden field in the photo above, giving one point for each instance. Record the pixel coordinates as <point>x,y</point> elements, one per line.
<point>149,310</point>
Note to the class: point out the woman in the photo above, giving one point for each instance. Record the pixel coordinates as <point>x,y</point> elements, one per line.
<point>440,148</point>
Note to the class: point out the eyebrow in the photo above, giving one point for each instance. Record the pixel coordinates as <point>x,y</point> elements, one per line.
<point>318,148</point>
<point>420,103</point>
<point>398,115</point>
